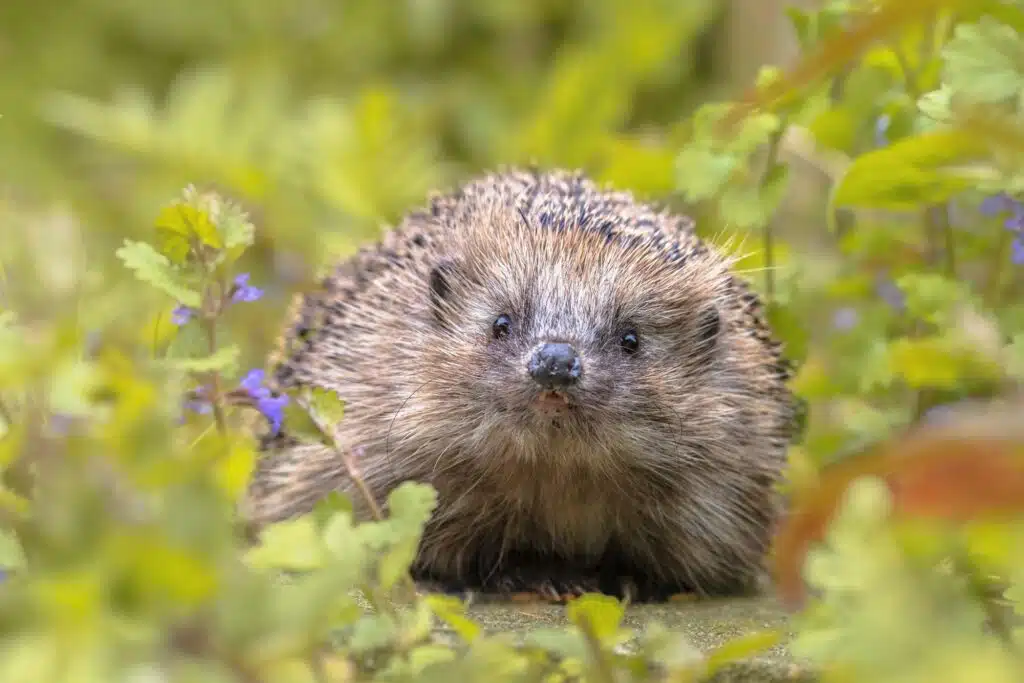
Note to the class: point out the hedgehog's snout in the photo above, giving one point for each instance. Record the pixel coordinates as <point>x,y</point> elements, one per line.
<point>554,365</point>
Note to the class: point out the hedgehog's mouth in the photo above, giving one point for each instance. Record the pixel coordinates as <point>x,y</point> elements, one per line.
<point>552,401</point>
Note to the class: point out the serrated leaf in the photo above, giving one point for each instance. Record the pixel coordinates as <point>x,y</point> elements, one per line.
<point>428,655</point>
<point>372,632</point>
<point>984,62</point>
<point>937,104</point>
<point>931,296</point>
<point>452,611</point>
<point>223,360</point>
<point>395,562</point>
<point>11,554</point>
<point>911,172</point>
<point>234,469</point>
<point>939,362</point>
<point>293,545</point>
<point>743,207</point>
<point>302,426</point>
<point>601,613</point>
<point>410,505</point>
<point>153,267</point>
<point>564,643</point>
<point>326,405</point>
<point>333,503</point>
<point>740,647</point>
<point>189,221</point>
<point>702,173</point>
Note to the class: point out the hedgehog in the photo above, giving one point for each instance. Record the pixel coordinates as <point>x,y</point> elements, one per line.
<point>592,390</point>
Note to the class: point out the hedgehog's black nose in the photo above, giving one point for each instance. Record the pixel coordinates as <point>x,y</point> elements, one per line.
<point>554,365</point>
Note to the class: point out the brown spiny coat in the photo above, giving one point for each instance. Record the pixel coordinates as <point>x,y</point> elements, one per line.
<point>661,476</point>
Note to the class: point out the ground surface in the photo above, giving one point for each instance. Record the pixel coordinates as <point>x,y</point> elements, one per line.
<point>706,623</point>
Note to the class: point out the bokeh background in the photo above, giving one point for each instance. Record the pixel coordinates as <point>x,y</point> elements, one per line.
<point>329,119</point>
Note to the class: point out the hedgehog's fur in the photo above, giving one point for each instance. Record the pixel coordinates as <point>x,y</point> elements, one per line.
<point>662,478</point>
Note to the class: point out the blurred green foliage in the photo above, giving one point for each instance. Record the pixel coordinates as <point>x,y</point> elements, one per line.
<point>129,322</point>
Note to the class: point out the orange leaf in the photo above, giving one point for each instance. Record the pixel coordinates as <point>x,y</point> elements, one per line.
<point>970,468</point>
<point>841,50</point>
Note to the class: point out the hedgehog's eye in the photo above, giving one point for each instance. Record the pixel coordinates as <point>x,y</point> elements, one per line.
<point>629,341</point>
<point>502,326</point>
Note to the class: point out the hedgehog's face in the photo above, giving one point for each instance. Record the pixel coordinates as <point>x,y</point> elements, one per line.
<point>577,339</point>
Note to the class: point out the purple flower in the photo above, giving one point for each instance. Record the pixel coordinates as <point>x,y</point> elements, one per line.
<point>199,406</point>
<point>273,409</point>
<point>198,402</point>
<point>995,204</point>
<point>243,291</point>
<point>182,314</point>
<point>936,415</point>
<point>845,318</point>
<point>1017,251</point>
<point>882,124</point>
<point>271,406</point>
<point>1016,222</point>
<point>891,294</point>
<point>62,423</point>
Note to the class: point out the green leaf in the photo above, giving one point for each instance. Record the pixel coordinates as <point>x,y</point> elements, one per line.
<point>330,505</point>
<point>938,362</point>
<point>11,554</point>
<point>911,172</point>
<point>564,643</point>
<point>372,632</point>
<point>223,360</point>
<point>701,173</point>
<point>931,296</point>
<point>410,505</point>
<point>835,128</point>
<point>937,104</point>
<point>427,655</point>
<point>1015,362</point>
<point>290,545</point>
<point>984,62</point>
<point>153,267</point>
<point>395,562</point>
<point>189,221</point>
<point>452,611</point>
<point>326,405</point>
<point>790,328</point>
<point>740,648</point>
<point>800,20</point>
<point>601,613</point>
<point>301,424</point>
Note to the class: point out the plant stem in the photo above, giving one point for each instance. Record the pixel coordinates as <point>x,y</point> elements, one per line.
<point>603,668</point>
<point>364,490</point>
<point>767,236</point>
<point>1000,256</point>
<point>216,400</point>
<point>5,415</point>
<point>940,228</point>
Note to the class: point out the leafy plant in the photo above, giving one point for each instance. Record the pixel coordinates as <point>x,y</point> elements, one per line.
<point>133,330</point>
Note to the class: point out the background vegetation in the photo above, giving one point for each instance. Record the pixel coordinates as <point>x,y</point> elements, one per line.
<point>872,187</point>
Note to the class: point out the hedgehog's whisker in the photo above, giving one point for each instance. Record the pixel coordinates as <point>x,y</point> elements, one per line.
<point>391,426</point>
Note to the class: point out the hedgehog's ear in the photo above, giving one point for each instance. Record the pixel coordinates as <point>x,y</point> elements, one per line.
<point>440,288</point>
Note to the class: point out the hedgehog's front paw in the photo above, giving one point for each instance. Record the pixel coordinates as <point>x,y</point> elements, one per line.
<point>529,582</point>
